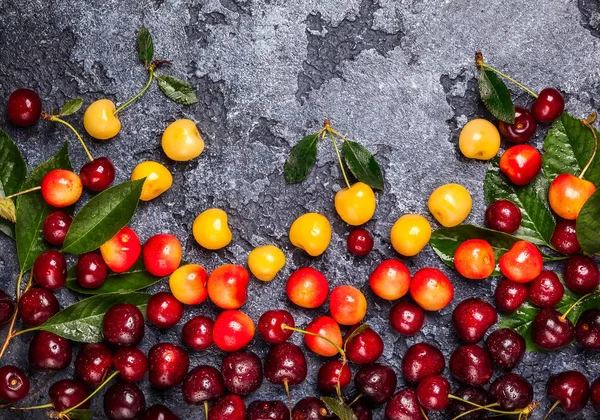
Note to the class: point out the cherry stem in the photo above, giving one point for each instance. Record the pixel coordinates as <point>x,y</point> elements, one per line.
<point>423,413</point>
<point>89,397</point>
<point>35,407</point>
<point>587,122</point>
<point>206,409</point>
<point>24,192</point>
<point>564,316</point>
<point>466,413</point>
<point>525,410</point>
<point>358,397</point>
<point>339,349</point>
<point>55,118</point>
<point>337,151</point>
<point>286,385</point>
<point>10,334</point>
<point>556,403</point>
<point>140,93</point>
<point>482,65</point>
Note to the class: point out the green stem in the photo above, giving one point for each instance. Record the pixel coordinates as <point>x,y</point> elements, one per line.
<point>107,380</point>
<point>26,330</point>
<point>140,93</point>
<point>24,192</point>
<point>35,407</point>
<point>564,316</point>
<point>466,413</point>
<point>9,334</point>
<point>588,125</point>
<point>358,397</point>
<point>206,410</point>
<point>552,409</point>
<point>339,349</point>
<point>507,77</point>
<point>526,409</point>
<point>55,118</point>
<point>339,157</point>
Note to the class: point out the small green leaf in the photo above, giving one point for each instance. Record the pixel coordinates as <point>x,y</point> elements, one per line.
<point>82,321</point>
<point>7,228</point>
<point>538,223</point>
<point>177,90</point>
<point>136,278</point>
<point>102,217</point>
<point>71,107</point>
<point>362,164</point>
<point>496,96</point>
<point>13,169</point>
<point>338,408</point>
<point>145,46</point>
<point>301,159</point>
<point>568,147</point>
<point>588,225</point>
<point>80,414</point>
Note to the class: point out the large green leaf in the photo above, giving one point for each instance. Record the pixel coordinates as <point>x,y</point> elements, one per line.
<point>13,169</point>
<point>301,159</point>
<point>362,164</point>
<point>177,90</point>
<point>102,217</point>
<point>588,225</point>
<point>145,46</point>
<point>32,210</point>
<point>136,278</point>
<point>569,145</point>
<point>496,96</point>
<point>538,223</point>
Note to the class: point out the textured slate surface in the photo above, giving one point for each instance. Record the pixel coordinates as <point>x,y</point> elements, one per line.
<point>396,75</point>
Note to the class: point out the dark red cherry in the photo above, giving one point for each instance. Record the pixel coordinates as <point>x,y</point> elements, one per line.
<point>571,388</point>
<point>433,393</point>
<point>421,360</point>
<point>564,238</point>
<point>229,407</point>
<point>98,174</point>
<point>362,410</point>
<point>587,329</point>
<point>48,351</point>
<point>548,106</point>
<point>310,408</point>
<point>404,405</point>
<point>376,382</point>
<point>50,270</point>
<point>581,274</point>
<point>123,325</point>
<point>91,270</point>
<point>364,347</point>
<point>37,306</point>
<point>546,290</point>
<point>197,333</point>
<point>7,308</point>
<point>55,227</point>
<point>406,318</point>
<point>202,383</point>
<point>506,347</point>
<point>14,385</point>
<point>285,362</point>
<point>473,394</point>
<point>93,363</point>
<point>360,242</point>
<point>512,392</point>
<point>267,410</point>
<point>132,363</point>
<point>67,393</point>
<point>168,365</point>
<point>510,295</point>
<point>472,318</point>
<point>24,107</point>
<point>270,326</point>
<point>522,129</point>
<point>550,331</point>
<point>504,216</point>
<point>595,394</point>
<point>471,365</point>
<point>159,412</point>
<point>164,310</point>
<point>242,372</point>
<point>331,373</point>
<point>124,401</point>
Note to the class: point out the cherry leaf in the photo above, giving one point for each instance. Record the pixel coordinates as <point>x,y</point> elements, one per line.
<point>301,159</point>
<point>496,96</point>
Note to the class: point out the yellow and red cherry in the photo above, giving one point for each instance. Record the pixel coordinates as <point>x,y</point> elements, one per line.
<point>98,174</point>
<point>233,330</point>
<point>228,286</point>
<point>504,216</point>
<point>100,120</point>
<point>360,242</point>
<point>522,262</point>
<point>123,325</point>
<point>37,306</point>
<point>548,106</point>
<point>164,310</point>
<point>24,107</point>
<point>61,188</point>
<point>93,363</point>
<point>363,348</point>
<point>326,327</point>
<point>14,384</point>
<point>567,194</point>
<point>91,271</point>
<point>271,323</point>
<point>521,164</point>
<point>188,284</point>
<point>522,129</point>
<point>474,259</point>
<point>162,254</point>
<point>390,280</point>
<point>50,270</point>
<point>131,363</point>
<point>431,289</point>
<point>122,250</point>
<point>307,287</point>
<point>347,305</point>
<point>168,365</point>
<point>197,333</point>
<point>55,227</point>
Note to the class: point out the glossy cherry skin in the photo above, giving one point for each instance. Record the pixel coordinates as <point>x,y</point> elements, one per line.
<point>55,227</point>
<point>168,364</point>
<point>132,363</point>
<point>587,329</point>
<point>267,410</point>
<point>421,360</point>
<point>197,333</point>
<point>233,330</point>
<point>67,393</point>
<point>48,351</point>
<point>310,408</point>
<point>98,174</point>
<point>376,382</point>
<point>203,383</point>
<point>471,365</point>
<point>521,164</point>
<point>406,318</point>
<point>307,287</point>
<point>91,271</point>
<point>504,216</point>
<point>571,388</point>
<point>522,129</point>
<point>581,274</point>
<point>93,363</point>
<point>50,270</point>
<point>14,385</point>
<point>164,310</point>
<point>24,107</point>
<point>37,306</point>
<point>546,290</point>
<point>326,327</point>
<point>510,295</point>
<point>472,318</point>
<point>360,242</point>
<point>123,325</point>
<point>548,106</point>
<point>270,326</point>
<point>230,407</point>
<point>362,410</point>
<point>404,405</point>
<point>122,251</point>
<point>162,254</point>
<point>242,372</point>
<point>595,394</point>
<point>549,331</point>
<point>7,308</point>
<point>512,392</point>
<point>331,373</point>
<point>506,347</point>
<point>469,393</point>
<point>564,238</point>
<point>522,262</point>
<point>433,393</point>
<point>124,401</point>
<point>285,362</point>
<point>365,347</point>
<point>159,412</point>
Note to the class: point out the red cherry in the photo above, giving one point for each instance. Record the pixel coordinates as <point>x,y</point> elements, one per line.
<point>48,351</point>
<point>50,270</point>
<point>24,107</point>
<point>503,215</point>
<point>91,271</point>
<point>364,347</point>
<point>581,274</point>
<point>37,306</point>
<point>164,310</point>
<point>233,330</point>
<point>203,383</point>
<point>124,401</point>
<point>521,164</point>
<point>546,290</point>
<point>242,372</point>
<point>14,385</point>
<point>168,365</point>
<point>422,360</point>
<point>98,174</point>
<point>123,325</point>
<point>159,412</point>
<point>564,238</point>
<point>229,407</point>
<point>132,363</point>
<point>67,393</point>
<point>55,227</point>
<point>433,393</point>
<point>360,242</point>
<point>197,333</point>
<point>472,318</point>
<point>7,308</point>
<point>93,363</point>
<point>407,318</point>
<point>471,365</point>
<point>522,129</point>
<point>522,263</point>
<point>270,326</point>
<point>548,106</point>
<point>331,373</point>
<point>510,295</point>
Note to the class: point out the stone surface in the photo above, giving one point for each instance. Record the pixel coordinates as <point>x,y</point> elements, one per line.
<point>396,75</point>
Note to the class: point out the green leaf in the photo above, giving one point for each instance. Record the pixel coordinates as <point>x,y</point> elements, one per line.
<point>13,169</point>
<point>362,164</point>
<point>588,225</point>
<point>32,209</point>
<point>145,46</point>
<point>538,222</point>
<point>496,96</point>
<point>80,414</point>
<point>177,90</point>
<point>301,159</point>
<point>82,321</point>
<point>569,145</point>
<point>71,107</point>
<point>136,278</point>
<point>341,410</point>
<point>7,228</point>
<point>102,217</point>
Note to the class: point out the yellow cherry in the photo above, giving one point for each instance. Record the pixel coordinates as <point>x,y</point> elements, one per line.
<point>158,179</point>
<point>182,141</point>
<point>356,205</point>
<point>210,229</point>
<point>265,262</point>
<point>479,139</point>
<point>450,204</point>
<point>100,121</point>
<point>312,233</point>
<point>410,234</point>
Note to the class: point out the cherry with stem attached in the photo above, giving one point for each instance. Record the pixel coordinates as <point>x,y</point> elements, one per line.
<point>11,334</point>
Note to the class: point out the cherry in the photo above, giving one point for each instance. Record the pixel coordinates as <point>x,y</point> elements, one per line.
<point>433,393</point>
<point>227,286</point>
<point>512,392</point>
<point>242,372</point>
<point>169,364</point>
<point>376,382</point>
<point>159,412</point>
<point>267,410</point>
<point>421,360</point>
<point>522,129</point>
<point>404,405</point>
<point>233,330</point>
<point>310,408</point>
<point>360,242</point>
<point>197,333</point>
<point>7,308</point>
<point>510,295</point>
<point>93,363</point>
<point>50,270</point>
<point>98,174</point>
<point>123,325</point>
<point>270,326</point>
<point>581,274</point>
<point>475,259</point>
<point>546,290</point>
<point>570,389</point>
<point>203,383</point>
<point>406,318</point>
<point>506,347</point>
<point>124,401</point>
<point>472,394</point>
<point>162,256</point>
<point>568,194</point>
<point>522,262</point>
<point>504,216</point>
<point>548,106</point>
<point>521,164</point>
<point>24,107</point>
<point>230,407</point>
<point>472,318</point>
<point>14,385</point>
<point>55,227</point>
<point>362,410</point>
<point>587,329</point>
<point>364,347</point>
<point>347,305</point>
<point>131,363</point>
<point>595,394</point>
<point>48,351</point>
<point>325,327</point>
<point>37,306</point>
<point>164,310</point>
<point>390,280</point>
<point>307,287</point>
<point>91,271</point>
<point>550,330</point>
<point>285,364</point>
<point>471,365</point>
<point>431,289</point>
<point>331,373</point>
<point>67,393</point>
<point>564,238</point>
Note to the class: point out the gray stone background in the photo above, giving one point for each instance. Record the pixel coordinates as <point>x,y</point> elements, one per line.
<point>396,75</point>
